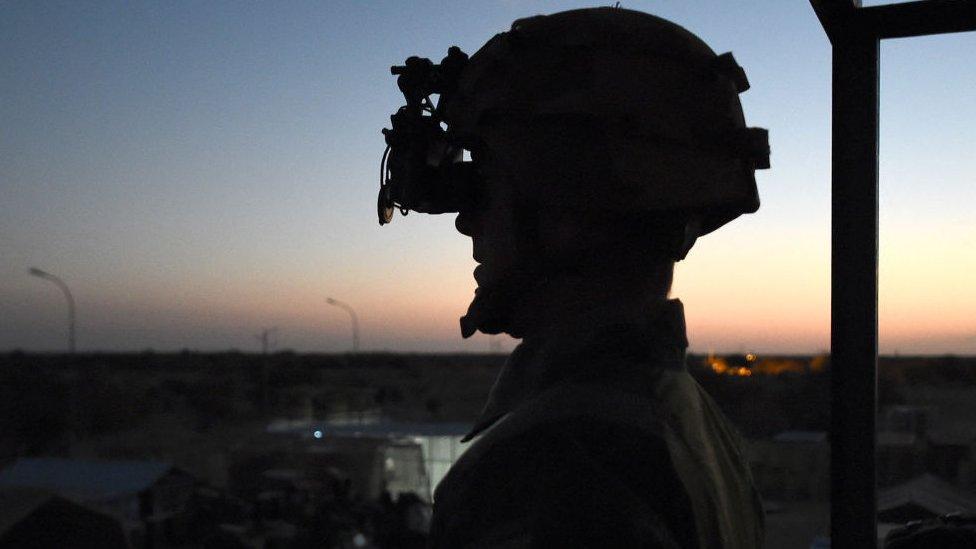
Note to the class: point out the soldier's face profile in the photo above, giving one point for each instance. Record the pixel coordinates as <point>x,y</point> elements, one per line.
<point>491,227</point>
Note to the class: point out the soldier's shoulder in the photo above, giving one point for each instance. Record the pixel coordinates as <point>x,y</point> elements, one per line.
<point>552,475</point>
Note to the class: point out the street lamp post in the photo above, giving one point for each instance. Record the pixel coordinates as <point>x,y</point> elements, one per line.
<point>71,302</point>
<point>352,316</point>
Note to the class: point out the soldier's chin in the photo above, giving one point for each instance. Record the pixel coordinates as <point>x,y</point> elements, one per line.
<point>489,313</point>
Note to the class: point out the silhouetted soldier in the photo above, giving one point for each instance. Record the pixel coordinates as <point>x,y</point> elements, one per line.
<point>603,143</point>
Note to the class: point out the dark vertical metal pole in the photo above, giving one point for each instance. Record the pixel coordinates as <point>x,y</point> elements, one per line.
<point>34,271</point>
<point>854,283</point>
<point>71,317</point>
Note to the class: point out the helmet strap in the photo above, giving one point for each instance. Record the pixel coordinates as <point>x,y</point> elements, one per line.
<point>692,230</point>
<point>493,309</point>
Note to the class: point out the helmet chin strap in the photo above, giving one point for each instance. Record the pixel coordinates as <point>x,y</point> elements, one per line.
<point>478,313</point>
<point>492,310</point>
<point>691,233</point>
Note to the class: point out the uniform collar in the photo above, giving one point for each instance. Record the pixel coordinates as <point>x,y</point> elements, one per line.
<point>652,338</point>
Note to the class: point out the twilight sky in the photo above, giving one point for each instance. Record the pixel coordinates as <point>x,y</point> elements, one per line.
<point>198,170</point>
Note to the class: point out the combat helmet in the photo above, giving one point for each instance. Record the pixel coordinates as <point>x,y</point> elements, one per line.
<point>652,109</point>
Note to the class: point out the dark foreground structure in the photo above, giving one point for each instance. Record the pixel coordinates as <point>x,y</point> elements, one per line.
<point>855,33</point>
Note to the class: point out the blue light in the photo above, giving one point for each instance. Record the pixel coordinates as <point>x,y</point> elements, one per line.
<point>317,434</point>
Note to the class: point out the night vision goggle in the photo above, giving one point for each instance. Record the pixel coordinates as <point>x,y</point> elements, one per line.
<point>422,167</point>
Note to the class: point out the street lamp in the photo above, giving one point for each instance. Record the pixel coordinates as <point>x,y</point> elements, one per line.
<point>352,316</point>
<point>71,302</point>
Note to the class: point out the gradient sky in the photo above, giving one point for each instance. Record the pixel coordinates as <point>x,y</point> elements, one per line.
<point>198,170</point>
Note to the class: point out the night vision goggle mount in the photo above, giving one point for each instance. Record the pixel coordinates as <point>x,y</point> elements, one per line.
<point>422,168</point>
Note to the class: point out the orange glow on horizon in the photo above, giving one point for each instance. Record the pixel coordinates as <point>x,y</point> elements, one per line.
<point>731,365</point>
<point>773,298</point>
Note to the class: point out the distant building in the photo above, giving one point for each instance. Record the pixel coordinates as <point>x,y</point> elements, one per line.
<point>913,440</point>
<point>380,454</point>
<point>951,452</point>
<point>900,456</point>
<point>923,497</point>
<point>901,418</point>
<point>793,465</point>
<point>148,498</point>
<point>37,518</point>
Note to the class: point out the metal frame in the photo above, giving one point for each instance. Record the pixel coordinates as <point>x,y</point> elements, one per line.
<point>855,33</point>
